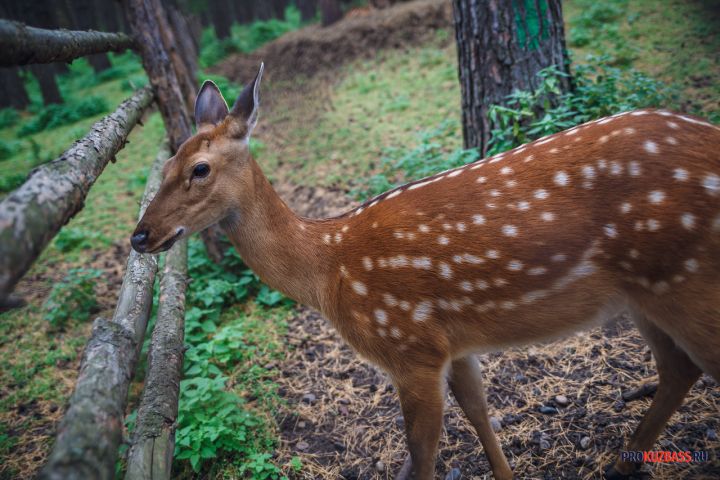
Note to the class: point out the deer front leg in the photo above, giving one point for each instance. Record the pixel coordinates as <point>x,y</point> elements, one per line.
<point>466,384</point>
<point>421,400</point>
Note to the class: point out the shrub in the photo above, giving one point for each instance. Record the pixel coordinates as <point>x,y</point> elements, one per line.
<point>72,238</point>
<point>53,116</point>
<point>72,298</point>
<point>8,149</point>
<point>8,117</point>
<point>10,182</point>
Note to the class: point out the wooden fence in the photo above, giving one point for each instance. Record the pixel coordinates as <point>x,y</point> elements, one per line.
<point>90,434</point>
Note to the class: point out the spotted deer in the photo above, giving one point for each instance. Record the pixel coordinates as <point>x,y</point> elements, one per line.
<point>616,214</point>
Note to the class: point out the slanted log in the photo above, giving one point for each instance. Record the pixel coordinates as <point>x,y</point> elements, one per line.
<point>53,193</point>
<point>24,45</point>
<point>89,435</point>
<point>151,453</point>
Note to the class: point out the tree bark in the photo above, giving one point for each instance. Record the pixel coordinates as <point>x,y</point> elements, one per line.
<point>13,89</point>
<point>308,9</point>
<point>329,12</point>
<point>151,453</point>
<point>45,76</point>
<point>222,17</point>
<point>53,193</point>
<point>497,54</point>
<point>90,433</point>
<point>24,45</point>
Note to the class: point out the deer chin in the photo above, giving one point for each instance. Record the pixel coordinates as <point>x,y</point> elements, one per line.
<point>167,244</point>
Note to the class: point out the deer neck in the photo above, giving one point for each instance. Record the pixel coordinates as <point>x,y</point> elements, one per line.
<point>285,250</point>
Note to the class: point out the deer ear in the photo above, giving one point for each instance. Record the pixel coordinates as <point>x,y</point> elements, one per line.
<point>247,105</point>
<point>210,106</point>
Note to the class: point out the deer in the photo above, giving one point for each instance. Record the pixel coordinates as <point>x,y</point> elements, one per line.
<point>557,235</point>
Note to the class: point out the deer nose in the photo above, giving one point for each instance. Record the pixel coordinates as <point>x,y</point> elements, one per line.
<point>139,240</point>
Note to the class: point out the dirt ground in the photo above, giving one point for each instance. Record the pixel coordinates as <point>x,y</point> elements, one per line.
<point>342,416</point>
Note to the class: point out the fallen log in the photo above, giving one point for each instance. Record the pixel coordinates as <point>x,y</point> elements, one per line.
<point>54,192</point>
<point>88,438</point>
<point>23,45</point>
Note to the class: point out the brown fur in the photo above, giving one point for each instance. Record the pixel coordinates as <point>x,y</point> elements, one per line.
<point>608,263</point>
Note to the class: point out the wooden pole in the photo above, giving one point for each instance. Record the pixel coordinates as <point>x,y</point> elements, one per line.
<point>53,193</point>
<point>22,45</point>
<point>90,433</point>
<point>151,453</point>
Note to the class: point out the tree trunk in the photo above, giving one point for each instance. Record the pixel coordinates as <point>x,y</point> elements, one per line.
<point>45,75</point>
<point>501,47</point>
<point>329,12</point>
<point>53,193</point>
<point>13,89</point>
<point>278,8</point>
<point>308,9</point>
<point>91,431</point>
<point>262,10</point>
<point>221,16</point>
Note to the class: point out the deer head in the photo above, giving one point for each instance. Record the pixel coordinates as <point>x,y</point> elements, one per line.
<point>209,175</point>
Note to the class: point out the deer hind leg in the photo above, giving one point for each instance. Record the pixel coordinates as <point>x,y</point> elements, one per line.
<point>466,384</point>
<point>677,373</point>
<point>421,400</point>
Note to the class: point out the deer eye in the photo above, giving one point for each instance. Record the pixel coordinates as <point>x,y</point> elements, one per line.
<point>201,170</point>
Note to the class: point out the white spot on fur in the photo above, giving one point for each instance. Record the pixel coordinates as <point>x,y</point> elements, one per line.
<point>537,271</point>
<point>634,169</point>
<point>540,194</point>
<point>481,285</point>
<point>327,238</point>
<point>381,316</point>
<point>404,305</point>
<point>445,270</point>
<point>511,183</point>
<point>588,172</point>
<point>510,230</point>
<point>508,305</point>
<point>382,263</point>
<point>548,216</point>
<point>423,228</point>
<point>687,220</point>
<point>610,230</point>
<point>422,311</point>
<point>398,261</point>
<point>625,207</point>
<point>494,254</point>
<point>692,265</point>
<point>680,174</point>
<point>671,140</point>
<point>481,180</point>
<point>673,125</point>
<point>656,196</point>
<point>381,332</point>
<point>650,146</point>
<point>494,193</point>
<point>615,168</point>
<point>653,225</point>
<point>395,333</point>
<point>443,240</point>
<point>522,206</point>
<point>359,287</point>
<point>478,219</point>
<point>466,286</point>
<point>561,178</point>
<point>558,257</point>
<point>711,182</point>
<point>506,171</point>
<point>460,226</point>
<point>423,263</point>
<point>389,299</point>
<point>633,253</point>
<point>515,265</point>
<point>367,263</point>
<point>499,282</point>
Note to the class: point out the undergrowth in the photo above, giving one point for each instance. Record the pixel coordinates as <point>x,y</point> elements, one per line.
<point>600,90</point>
<point>73,298</point>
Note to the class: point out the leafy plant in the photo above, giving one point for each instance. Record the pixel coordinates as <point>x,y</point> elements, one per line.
<point>73,238</point>
<point>72,298</point>
<point>52,116</point>
<point>10,182</point>
<point>8,117</point>
<point>8,149</point>
<point>600,90</point>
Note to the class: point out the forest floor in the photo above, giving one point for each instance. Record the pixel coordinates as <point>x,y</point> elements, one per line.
<point>376,83</point>
<point>343,418</point>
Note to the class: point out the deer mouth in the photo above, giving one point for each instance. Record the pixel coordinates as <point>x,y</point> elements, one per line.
<point>167,244</point>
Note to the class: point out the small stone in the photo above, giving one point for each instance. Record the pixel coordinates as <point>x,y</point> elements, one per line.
<point>344,401</point>
<point>302,445</point>
<point>343,410</point>
<point>495,424</point>
<point>585,443</point>
<point>548,410</point>
<point>454,474</point>
<point>544,444</point>
<point>309,398</point>
<point>561,400</point>
<point>301,425</point>
<point>711,434</point>
<point>380,466</point>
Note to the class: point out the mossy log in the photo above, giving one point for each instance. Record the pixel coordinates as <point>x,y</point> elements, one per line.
<point>23,45</point>
<point>54,192</point>
<point>90,433</point>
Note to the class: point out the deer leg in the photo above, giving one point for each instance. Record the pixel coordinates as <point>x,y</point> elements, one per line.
<point>677,373</point>
<point>421,399</point>
<point>466,384</point>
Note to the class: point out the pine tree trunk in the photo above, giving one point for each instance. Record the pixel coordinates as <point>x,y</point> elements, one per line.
<point>329,12</point>
<point>308,9</point>
<point>45,75</point>
<point>502,46</point>
<point>221,16</point>
<point>13,89</point>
